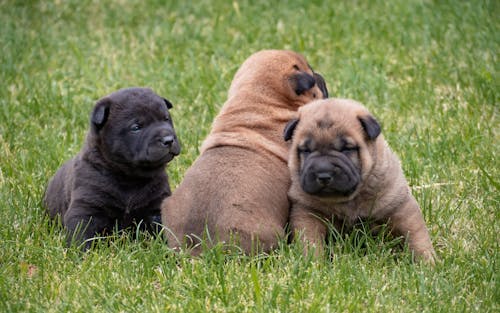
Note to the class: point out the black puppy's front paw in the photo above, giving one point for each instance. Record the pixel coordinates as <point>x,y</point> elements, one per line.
<point>81,230</point>
<point>154,225</point>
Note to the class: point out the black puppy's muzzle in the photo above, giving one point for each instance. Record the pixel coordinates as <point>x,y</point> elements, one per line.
<point>329,175</point>
<point>162,146</point>
<point>167,140</point>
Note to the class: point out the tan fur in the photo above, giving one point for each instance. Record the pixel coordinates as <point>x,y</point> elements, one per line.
<point>238,185</point>
<point>383,193</point>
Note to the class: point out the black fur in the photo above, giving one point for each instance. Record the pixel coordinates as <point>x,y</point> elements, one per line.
<point>118,179</point>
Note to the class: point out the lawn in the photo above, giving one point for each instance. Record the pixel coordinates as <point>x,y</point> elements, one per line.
<point>427,69</point>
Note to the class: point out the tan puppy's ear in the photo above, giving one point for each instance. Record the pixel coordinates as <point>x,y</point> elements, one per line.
<point>289,129</point>
<point>302,82</point>
<point>371,126</point>
<point>100,113</point>
<point>321,84</point>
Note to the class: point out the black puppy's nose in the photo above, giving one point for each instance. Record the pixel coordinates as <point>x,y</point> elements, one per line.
<point>323,178</point>
<point>167,140</point>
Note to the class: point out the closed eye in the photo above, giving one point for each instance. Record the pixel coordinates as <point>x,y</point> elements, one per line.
<point>304,151</point>
<point>349,149</point>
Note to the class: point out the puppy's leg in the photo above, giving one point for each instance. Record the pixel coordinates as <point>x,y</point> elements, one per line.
<point>259,238</point>
<point>82,227</point>
<point>176,216</point>
<point>309,229</point>
<point>409,222</point>
<point>152,224</point>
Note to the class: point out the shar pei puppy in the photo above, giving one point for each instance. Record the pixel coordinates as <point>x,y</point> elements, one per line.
<point>118,179</point>
<point>236,190</point>
<point>343,171</point>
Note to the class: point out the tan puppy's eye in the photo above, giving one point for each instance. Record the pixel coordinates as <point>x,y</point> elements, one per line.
<point>349,148</point>
<point>304,151</point>
<point>296,67</point>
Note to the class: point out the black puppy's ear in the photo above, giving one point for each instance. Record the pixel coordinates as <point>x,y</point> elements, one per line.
<point>100,113</point>
<point>168,103</point>
<point>321,84</point>
<point>371,126</point>
<point>290,128</point>
<point>302,82</point>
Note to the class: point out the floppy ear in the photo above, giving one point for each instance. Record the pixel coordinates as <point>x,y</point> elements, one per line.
<point>371,126</point>
<point>321,84</point>
<point>168,103</point>
<point>100,113</point>
<point>289,129</point>
<point>302,82</point>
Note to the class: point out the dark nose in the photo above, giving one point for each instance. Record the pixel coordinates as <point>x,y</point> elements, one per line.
<point>167,140</point>
<point>323,178</point>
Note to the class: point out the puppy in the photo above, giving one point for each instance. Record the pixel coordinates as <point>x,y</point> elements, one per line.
<point>342,171</point>
<point>118,178</point>
<point>236,190</point>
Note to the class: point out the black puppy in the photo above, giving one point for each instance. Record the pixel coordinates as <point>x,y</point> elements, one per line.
<point>118,179</point>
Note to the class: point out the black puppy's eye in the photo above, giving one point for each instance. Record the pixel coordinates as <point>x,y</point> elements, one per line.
<point>166,118</point>
<point>135,127</point>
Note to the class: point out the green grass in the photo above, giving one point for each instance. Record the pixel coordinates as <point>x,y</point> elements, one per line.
<point>427,69</point>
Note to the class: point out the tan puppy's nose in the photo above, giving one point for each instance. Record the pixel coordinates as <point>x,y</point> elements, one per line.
<point>323,178</point>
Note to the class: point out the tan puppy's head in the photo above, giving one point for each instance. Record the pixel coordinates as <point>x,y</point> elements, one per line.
<point>333,148</point>
<point>281,72</point>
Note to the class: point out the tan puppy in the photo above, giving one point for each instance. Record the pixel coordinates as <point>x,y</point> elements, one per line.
<point>237,188</point>
<point>342,171</point>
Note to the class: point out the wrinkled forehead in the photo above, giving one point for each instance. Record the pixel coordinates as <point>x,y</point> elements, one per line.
<point>135,95</point>
<point>152,107</point>
<point>318,114</point>
<point>324,124</point>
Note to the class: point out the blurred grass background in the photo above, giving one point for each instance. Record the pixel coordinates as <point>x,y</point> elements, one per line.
<point>427,69</point>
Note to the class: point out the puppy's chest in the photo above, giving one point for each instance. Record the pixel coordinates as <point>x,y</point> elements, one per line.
<point>351,212</point>
<point>138,199</point>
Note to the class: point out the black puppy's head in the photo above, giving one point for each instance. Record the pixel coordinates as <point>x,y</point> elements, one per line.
<point>133,131</point>
<point>332,148</point>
